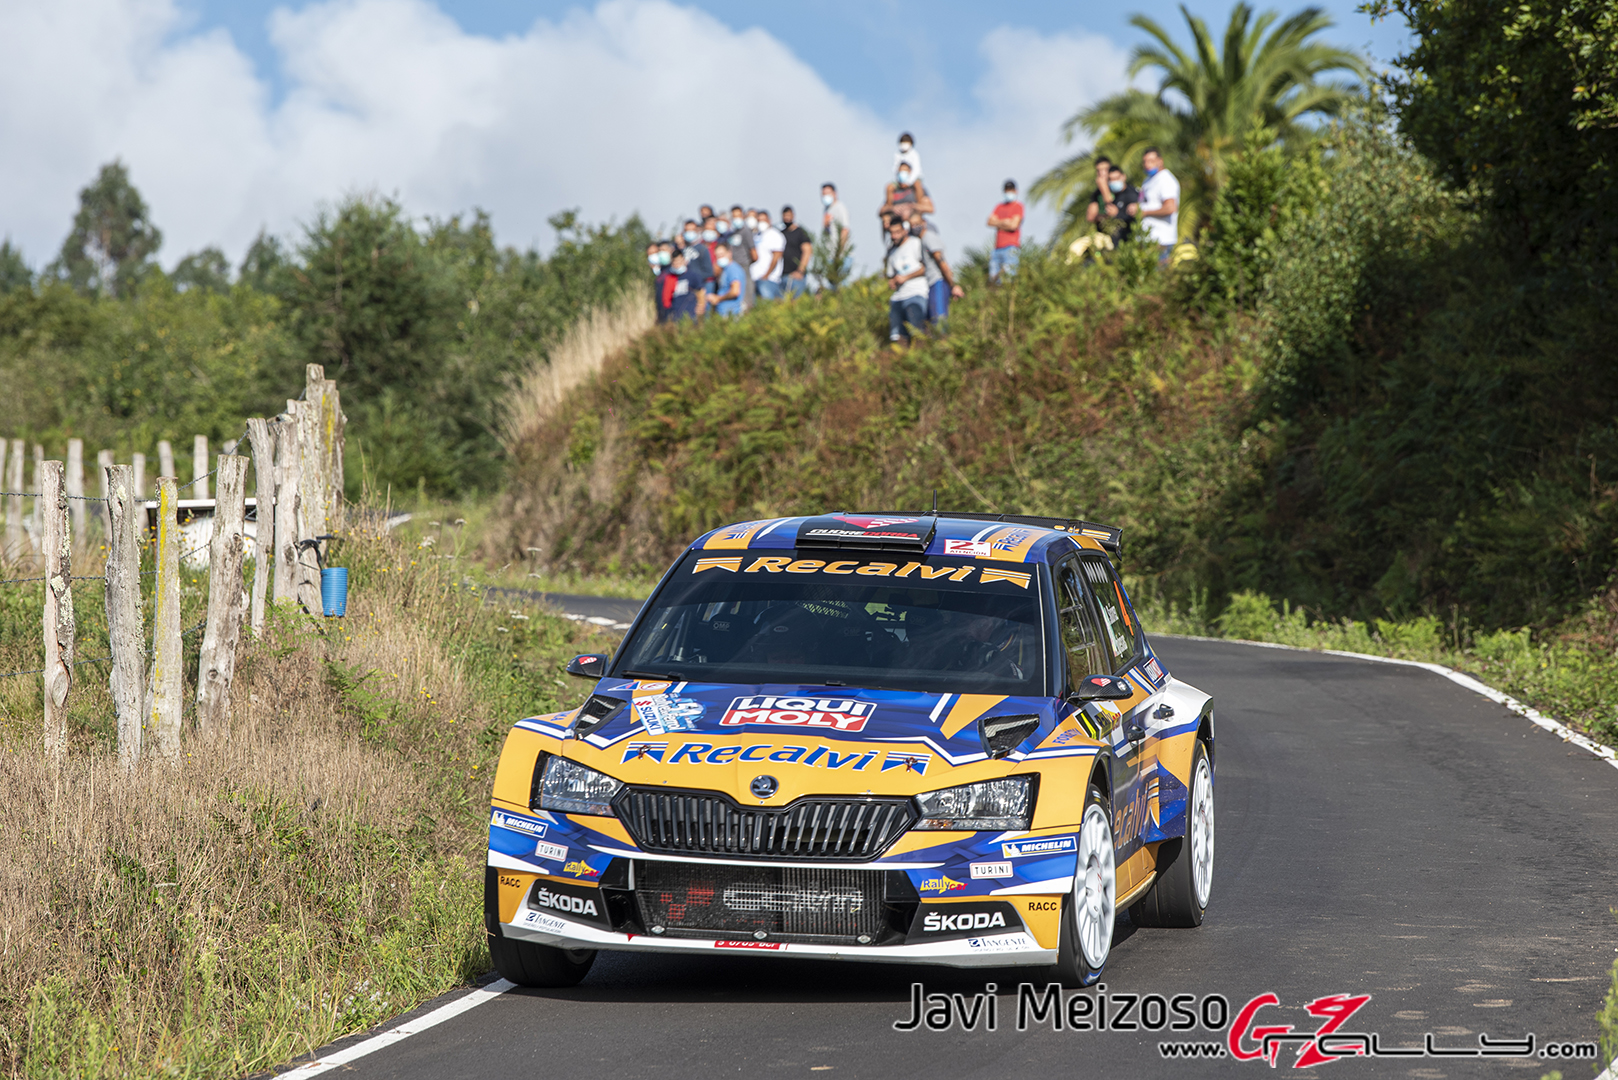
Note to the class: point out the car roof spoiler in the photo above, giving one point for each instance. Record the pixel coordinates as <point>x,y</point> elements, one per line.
<point>1109,537</point>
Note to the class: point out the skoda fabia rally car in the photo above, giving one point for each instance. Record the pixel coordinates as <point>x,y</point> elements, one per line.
<point>907,738</point>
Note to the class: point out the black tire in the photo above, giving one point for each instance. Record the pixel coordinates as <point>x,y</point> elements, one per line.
<point>528,963</point>
<point>1074,967</point>
<point>1175,899</point>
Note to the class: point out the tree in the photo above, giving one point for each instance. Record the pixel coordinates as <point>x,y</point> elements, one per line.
<point>1518,104</point>
<point>207,269</point>
<point>113,238</point>
<point>14,271</point>
<point>264,267</point>
<point>1207,104</point>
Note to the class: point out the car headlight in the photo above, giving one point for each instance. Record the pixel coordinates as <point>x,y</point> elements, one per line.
<point>1007,803</point>
<point>575,789</point>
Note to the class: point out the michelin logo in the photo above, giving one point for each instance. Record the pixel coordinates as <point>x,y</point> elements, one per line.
<point>1045,845</point>
<point>503,820</point>
<point>574,905</point>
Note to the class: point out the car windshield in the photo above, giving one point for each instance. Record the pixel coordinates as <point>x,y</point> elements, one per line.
<point>835,618</point>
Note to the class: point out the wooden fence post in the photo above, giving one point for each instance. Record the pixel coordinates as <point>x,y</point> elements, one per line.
<point>36,537</point>
<point>165,458</point>
<point>126,521</point>
<point>163,683</point>
<point>16,542</point>
<point>59,627</point>
<point>313,479</point>
<point>262,440</point>
<point>139,481</point>
<point>223,630</point>
<point>199,467</point>
<point>287,473</point>
<point>332,425</point>
<point>75,487</point>
<point>104,462</point>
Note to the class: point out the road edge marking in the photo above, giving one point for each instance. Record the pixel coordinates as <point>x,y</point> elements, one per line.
<point>1555,727</point>
<point>365,1047</point>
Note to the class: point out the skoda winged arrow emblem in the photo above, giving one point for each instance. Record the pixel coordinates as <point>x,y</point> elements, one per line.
<point>763,786</point>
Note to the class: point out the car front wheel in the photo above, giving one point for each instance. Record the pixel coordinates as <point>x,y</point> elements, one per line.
<point>1089,911</point>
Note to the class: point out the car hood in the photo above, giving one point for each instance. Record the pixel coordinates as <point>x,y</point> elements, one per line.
<point>809,739</point>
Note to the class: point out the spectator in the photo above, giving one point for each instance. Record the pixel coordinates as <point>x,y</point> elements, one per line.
<point>770,245</point>
<point>795,258</point>
<point>907,278</point>
<point>742,250</point>
<point>941,283</point>
<point>835,217</point>
<point>697,259</point>
<point>731,282</point>
<point>704,212</point>
<point>654,258</point>
<point>683,287</point>
<point>906,191</point>
<point>1112,210</point>
<point>1006,221</point>
<point>710,241</point>
<point>1160,205</point>
<point>907,156</point>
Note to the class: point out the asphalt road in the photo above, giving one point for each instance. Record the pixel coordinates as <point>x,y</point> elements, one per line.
<point>1380,831</point>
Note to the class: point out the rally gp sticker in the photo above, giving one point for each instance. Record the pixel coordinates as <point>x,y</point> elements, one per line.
<point>940,884</point>
<point>1045,845</point>
<point>839,714</point>
<point>968,549</point>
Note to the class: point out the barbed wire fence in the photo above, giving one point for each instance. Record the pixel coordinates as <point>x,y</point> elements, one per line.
<point>297,463</point>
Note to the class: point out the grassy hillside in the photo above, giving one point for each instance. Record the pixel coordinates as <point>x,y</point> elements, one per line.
<point>1362,406</point>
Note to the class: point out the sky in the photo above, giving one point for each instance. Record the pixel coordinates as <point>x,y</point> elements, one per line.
<point>240,115</point>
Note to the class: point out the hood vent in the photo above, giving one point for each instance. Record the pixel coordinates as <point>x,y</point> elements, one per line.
<point>910,532</point>
<point>597,711</point>
<point>1003,734</point>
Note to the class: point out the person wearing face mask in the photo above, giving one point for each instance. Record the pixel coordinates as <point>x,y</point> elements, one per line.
<point>697,259</point>
<point>907,155</point>
<point>771,246</point>
<point>907,279</point>
<point>1160,205</point>
<point>740,240</point>
<point>1006,221</point>
<point>1114,203</point>
<point>905,192</point>
<point>836,215</point>
<point>732,280</point>
<point>795,258</point>
<point>684,290</point>
<point>653,258</point>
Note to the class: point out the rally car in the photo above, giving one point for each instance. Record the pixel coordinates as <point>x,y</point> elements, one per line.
<point>914,738</point>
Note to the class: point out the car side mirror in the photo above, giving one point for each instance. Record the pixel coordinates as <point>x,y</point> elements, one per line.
<point>1102,688</point>
<point>589,666</point>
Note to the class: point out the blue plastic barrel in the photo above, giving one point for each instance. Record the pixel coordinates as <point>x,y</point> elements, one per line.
<point>334,590</point>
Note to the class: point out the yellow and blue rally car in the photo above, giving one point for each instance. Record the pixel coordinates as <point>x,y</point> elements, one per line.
<point>917,738</point>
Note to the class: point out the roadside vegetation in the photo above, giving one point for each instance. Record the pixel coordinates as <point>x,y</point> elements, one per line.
<point>312,874</point>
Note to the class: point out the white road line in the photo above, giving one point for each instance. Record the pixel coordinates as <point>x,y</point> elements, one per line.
<point>1565,733</point>
<point>365,1047</point>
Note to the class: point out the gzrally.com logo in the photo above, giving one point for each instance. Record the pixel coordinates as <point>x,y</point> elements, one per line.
<point>1249,1035</point>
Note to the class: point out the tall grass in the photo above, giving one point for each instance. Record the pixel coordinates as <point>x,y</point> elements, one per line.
<point>577,357</point>
<point>313,873</point>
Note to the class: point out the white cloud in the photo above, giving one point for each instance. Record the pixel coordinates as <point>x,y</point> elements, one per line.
<point>635,105</point>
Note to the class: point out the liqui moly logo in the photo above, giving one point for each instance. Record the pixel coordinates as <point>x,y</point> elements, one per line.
<point>838,714</point>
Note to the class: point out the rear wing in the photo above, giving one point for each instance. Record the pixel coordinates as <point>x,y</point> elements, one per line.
<point>1109,537</point>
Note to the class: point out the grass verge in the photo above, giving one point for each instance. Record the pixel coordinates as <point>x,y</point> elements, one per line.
<point>1568,672</point>
<point>310,875</point>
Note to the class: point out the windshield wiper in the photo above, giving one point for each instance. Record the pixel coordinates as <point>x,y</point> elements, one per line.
<point>644,675</point>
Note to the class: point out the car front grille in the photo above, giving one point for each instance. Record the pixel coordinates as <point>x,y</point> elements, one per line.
<point>706,823</point>
<point>820,905</point>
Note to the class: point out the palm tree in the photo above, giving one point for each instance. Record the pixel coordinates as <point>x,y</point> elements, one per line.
<point>1207,106</point>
